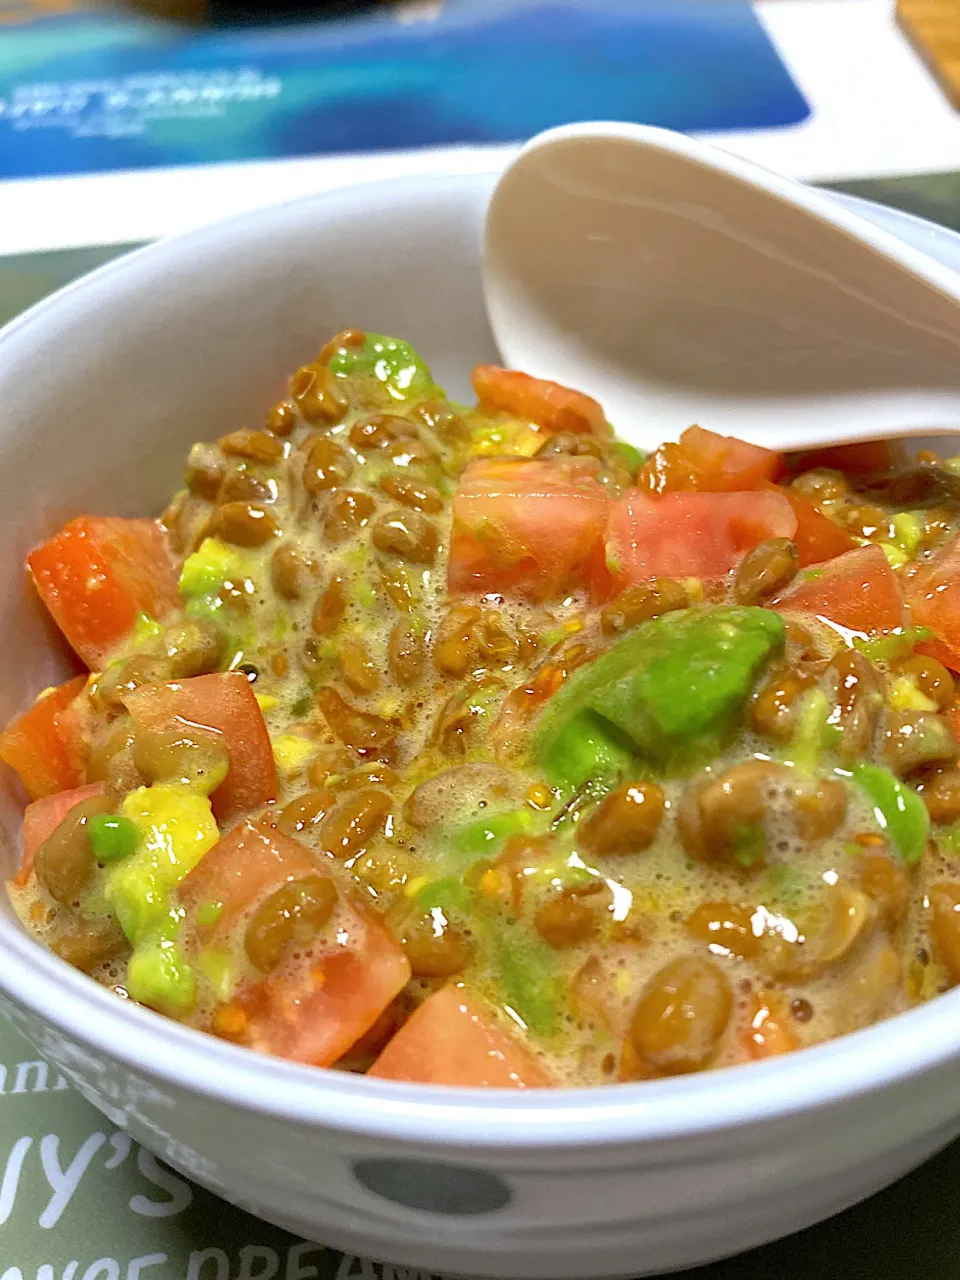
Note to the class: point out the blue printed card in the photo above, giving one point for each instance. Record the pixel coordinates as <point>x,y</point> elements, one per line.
<point>86,90</point>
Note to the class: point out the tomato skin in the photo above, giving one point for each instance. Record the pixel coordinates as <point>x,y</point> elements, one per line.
<point>43,817</point>
<point>317,1010</point>
<point>224,703</point>
<point>857,591</point>
<point>940,650</point>
<point>934,595</point>
<point>529,528</point>
<point>705,462</point>
<point>817,538</point>
<point>549,404</point>
<point>247,863</point>
<point>452,1039</point>
<point>40,744</point>
<point>98,574</point>
<point>684,535</point>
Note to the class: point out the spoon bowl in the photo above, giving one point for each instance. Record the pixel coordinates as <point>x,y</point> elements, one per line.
<point>678,284</point>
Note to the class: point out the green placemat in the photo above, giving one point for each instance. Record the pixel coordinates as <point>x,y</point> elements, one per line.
<point>80,1201</point>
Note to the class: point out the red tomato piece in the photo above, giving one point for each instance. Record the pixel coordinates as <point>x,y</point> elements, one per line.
<point>944,653</point>
<point>315,1012</point>
<point>250,861</point>
<point>691,535</point>
<point>708,463</point>
<point>40,745</point>
<point>857,592</point>
<point>98,574</point>
<point>934,596</point>
<point>43,817</point>
<point>817,538</point>
<point>453,1039</point>
<point>549,404</point>
<point>532,528</point>
<point>223,703</point>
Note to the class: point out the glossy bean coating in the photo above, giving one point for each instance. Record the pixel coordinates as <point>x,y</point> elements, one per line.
<point>240,486</point>
<point>413,493</point>
<point>119,739</point>
<point>725,927</point>
<point>257,446</point>
<point>121,678</point>
<point>347,511</point>
<point>193,647</point>
<point>287,572</point>
<point>367,734</point>
<point>819,807</point>
<point>354,823</point>
<point>378,430</point>
<point>358,669</point>
<point>64,863</point>
<point>90,944</point>
<point>565,920</point>
<point>192,756</point>
<point>945,927</point>
<point>626,821</point>
<point>765,570</point>
<point>858,701</point>
<point>205,471</point>
<point>885,880</point>
<point>434,948</point>
<point>638,604</point>
<point>941,794</point>
<point>914,739</point>
<point>406,535</point>
<point>682,1015</point>
<point>317,396</point>
<point>406,650</point>
<point>243,524</point>
<point>282,419</point>
<point>306,812</point>
<point>329,609</point>
<point>294,913</point>
<point>931,677</point>
<point>455,648</point>
<point>327,465</point>
<point>773,709</point>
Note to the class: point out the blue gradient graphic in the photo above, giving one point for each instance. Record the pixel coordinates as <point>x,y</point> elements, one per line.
<point>89,92</point>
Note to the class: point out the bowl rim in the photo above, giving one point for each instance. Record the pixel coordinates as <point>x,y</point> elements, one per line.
<point>149,1045</point>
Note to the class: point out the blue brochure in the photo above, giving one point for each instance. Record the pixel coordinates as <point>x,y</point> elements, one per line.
<point>85,90</point>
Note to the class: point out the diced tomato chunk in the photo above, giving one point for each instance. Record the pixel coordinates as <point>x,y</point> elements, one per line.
<point>934,595</point>
<point>817,538</point>
<point>532,528</point>
<point>223,703</point>
<point>708,463</point>
<point>316,1009</point>
<point>98,574</point>
<point>684,535</point>
<point>43,817</point>
<point>549,404</point>
<point>454,1039</point>
<point>945,653</point>
<point>40,745</point>
<point>243,867</point>
<point>857,592</point>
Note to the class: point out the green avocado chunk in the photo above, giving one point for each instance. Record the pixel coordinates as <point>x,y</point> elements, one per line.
<point>392,362</point>
<point>899,811</point>
<point>667,693</point>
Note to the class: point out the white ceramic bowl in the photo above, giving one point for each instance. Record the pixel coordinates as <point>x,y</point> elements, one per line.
<point>102,387</point>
